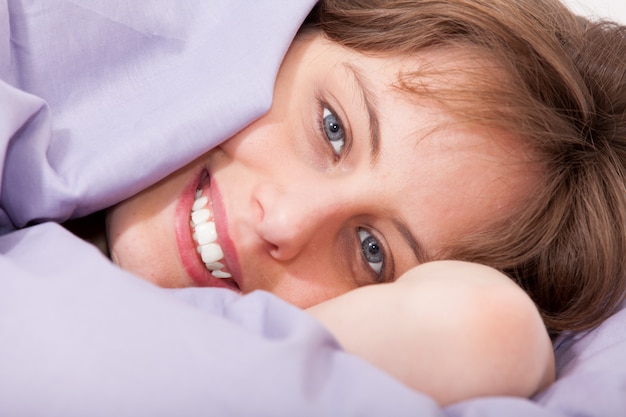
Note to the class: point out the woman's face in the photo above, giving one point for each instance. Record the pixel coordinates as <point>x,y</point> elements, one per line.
<point>346,181</point>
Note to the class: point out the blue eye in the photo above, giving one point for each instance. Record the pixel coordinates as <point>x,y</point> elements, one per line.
<point>372,251</point>
<point>334,131</point>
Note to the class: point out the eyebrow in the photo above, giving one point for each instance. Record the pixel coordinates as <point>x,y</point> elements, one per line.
<point>372,111</point>
<point>421,256</point>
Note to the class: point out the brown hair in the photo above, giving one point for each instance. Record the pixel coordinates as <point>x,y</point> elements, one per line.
<point>563,90</point>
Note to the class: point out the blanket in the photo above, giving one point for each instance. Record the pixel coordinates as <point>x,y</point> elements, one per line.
<point>98,100</point>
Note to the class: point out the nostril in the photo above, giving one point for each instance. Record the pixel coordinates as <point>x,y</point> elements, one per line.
<point>277,242</point>
<point>281,253</point>
<point>271,242</point>
<point>266,231</point>
<point>274,251</point>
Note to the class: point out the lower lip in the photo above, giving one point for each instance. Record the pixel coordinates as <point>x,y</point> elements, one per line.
<point>187,251</point>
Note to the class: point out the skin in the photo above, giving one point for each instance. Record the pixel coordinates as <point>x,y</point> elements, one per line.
<point>289,207</point>
<point>296,194</point>
<point>435,332</point>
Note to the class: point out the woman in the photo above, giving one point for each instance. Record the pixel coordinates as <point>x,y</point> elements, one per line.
<point>507,165</point>
<point>391,144</point>
<point>497,176</point>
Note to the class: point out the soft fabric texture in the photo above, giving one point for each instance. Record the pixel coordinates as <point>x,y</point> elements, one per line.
<point>97,101</point>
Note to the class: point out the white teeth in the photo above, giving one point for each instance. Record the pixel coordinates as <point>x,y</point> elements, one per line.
<point>211,252</point>
<point>199,203</point>
<point>200,216</point>
<point>205,234</point>
<point>221,274</point>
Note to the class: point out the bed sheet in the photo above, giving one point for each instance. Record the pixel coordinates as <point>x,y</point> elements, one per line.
<point>126,93</point>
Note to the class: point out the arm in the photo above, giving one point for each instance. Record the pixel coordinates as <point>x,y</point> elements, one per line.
<point>453,330</point>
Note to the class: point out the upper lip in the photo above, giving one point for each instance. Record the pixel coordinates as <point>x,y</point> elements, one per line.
<point>223,237</point>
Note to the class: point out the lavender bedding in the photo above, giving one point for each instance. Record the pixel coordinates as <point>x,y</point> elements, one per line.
<point>97,101</point>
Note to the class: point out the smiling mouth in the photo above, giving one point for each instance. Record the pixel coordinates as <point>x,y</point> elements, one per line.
<point>204,233</point>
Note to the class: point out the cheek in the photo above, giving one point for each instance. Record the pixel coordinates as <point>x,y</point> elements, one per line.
<point>118,223</point>
<point>141,230</point>
<point>281,137</point>
<point>122,245</point>
<point>123,230</point>
<point>259,144</point>
<point>143,242</point>
<point>308,287</point>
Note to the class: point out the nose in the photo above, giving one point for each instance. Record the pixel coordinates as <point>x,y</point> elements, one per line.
<point>291,218</point>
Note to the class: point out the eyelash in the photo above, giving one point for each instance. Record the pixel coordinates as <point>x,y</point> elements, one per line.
<point>327,112</point>
<point>363,235</point>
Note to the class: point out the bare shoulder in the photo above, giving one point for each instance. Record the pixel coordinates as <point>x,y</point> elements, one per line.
<point>453,330</point>
<point>498,343</point>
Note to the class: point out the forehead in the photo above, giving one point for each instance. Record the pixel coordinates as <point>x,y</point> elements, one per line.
<point>440,169</point>
<point>444,172</point>
<point>451,179</point>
